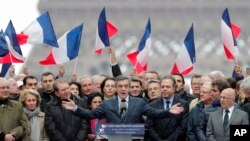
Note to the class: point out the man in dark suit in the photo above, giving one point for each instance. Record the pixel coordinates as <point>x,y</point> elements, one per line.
<point>111,109</point>
<point>219,121</point>
<point>171,128</point>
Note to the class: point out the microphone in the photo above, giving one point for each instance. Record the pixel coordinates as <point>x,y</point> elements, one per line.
<point>123,109</point>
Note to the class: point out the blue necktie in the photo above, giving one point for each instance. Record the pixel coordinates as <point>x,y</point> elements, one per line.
<point>167,104</point>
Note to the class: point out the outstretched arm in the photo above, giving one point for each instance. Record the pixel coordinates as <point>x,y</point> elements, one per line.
<point>84,113</point>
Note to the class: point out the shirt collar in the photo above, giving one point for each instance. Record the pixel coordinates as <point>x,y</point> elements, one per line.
<point>229,109</point>
<point>170,99</point>
<point>127,98</point>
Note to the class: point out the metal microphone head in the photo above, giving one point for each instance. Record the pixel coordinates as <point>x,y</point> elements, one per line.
<point>123,106</point>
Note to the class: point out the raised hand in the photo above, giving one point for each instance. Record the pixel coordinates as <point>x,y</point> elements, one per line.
<point>176,109</point>
<point>69,105</point>
<point>61,71</point>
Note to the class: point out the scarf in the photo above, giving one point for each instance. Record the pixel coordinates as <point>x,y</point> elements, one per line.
<point>34,123</point>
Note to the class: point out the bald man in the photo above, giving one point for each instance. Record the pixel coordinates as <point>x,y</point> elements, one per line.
<point>219,121</point>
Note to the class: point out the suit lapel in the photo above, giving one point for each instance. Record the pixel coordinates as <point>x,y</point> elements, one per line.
<point>220,120</point>
<point>233,116</point>
<point>131,102</point>
<point>116,105</point>
<point>159,104</point>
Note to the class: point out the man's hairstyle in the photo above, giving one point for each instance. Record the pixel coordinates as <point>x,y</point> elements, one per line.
<point>246,83</point>
<point>182,78</point>
<point>28,77</point>
<point>154,81</point>
<point>195,76</point>
<point>86,77</point>
<point>170,77</point>
<point>47,74</point>
<point>220,84</point>
<point>232,82</point>
<point>57,82</point>
<point>136,79</point>
<point>155,72</point>
<point>121,78</point>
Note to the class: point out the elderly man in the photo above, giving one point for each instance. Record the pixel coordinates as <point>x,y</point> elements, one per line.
<point>86,86</point>
<point>219,121</point>
<point>14,123</point>
<point>198,116</point>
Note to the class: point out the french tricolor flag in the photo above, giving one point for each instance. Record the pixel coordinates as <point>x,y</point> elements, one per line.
<point>105,30</point>
<point>229,33</point>
<point>139,58</point>
<point>69,45</point>
<point>186,57</point>
<point>14,54</point>
<point>40,31</point>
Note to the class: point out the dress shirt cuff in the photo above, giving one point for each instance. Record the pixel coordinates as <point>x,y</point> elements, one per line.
<point>113,64</point>
<point>74,110</point>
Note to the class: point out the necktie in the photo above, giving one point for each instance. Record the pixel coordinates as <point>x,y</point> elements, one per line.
<point>167,104</point>
<point>226,119</point>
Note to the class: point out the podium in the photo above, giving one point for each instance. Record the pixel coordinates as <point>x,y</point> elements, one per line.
<point>120,132</point>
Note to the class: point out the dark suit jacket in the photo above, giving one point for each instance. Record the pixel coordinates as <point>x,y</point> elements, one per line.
<point>215,130</point>
<point>173,128</point>
<point>136,108</point>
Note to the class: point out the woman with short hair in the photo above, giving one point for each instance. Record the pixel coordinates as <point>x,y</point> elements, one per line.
<point>31,105</point>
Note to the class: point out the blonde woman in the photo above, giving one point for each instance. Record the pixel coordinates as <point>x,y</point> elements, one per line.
<point>31,105</point>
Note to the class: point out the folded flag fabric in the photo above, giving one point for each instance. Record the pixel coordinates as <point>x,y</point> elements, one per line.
<point>3,45</point>
<point>15,53</point>
<point>139,58</point>
<point>4,69</point>
<point>186,57</point>
<point>40,31</point>
<point>105,30</point>
<point>229,33</point>
<point>69,45</point>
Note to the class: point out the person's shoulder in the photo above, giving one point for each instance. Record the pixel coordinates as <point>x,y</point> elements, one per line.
<point>156,102</point>
<point>15,103</point>
<point>137,99</point>
<point>240,112</point>
<point>180,100</point>
<point>41,114</point>
<point>217,112</point>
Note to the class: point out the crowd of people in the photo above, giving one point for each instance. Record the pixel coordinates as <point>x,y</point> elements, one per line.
<point>57,109</point>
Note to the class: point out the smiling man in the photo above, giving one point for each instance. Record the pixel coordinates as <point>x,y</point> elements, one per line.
<point>14,123</point>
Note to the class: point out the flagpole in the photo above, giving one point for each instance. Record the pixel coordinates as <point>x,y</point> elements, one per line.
<point>236,55</point>
<point>194,64</point>
<point>75,65</point>
<point>135,65</point>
